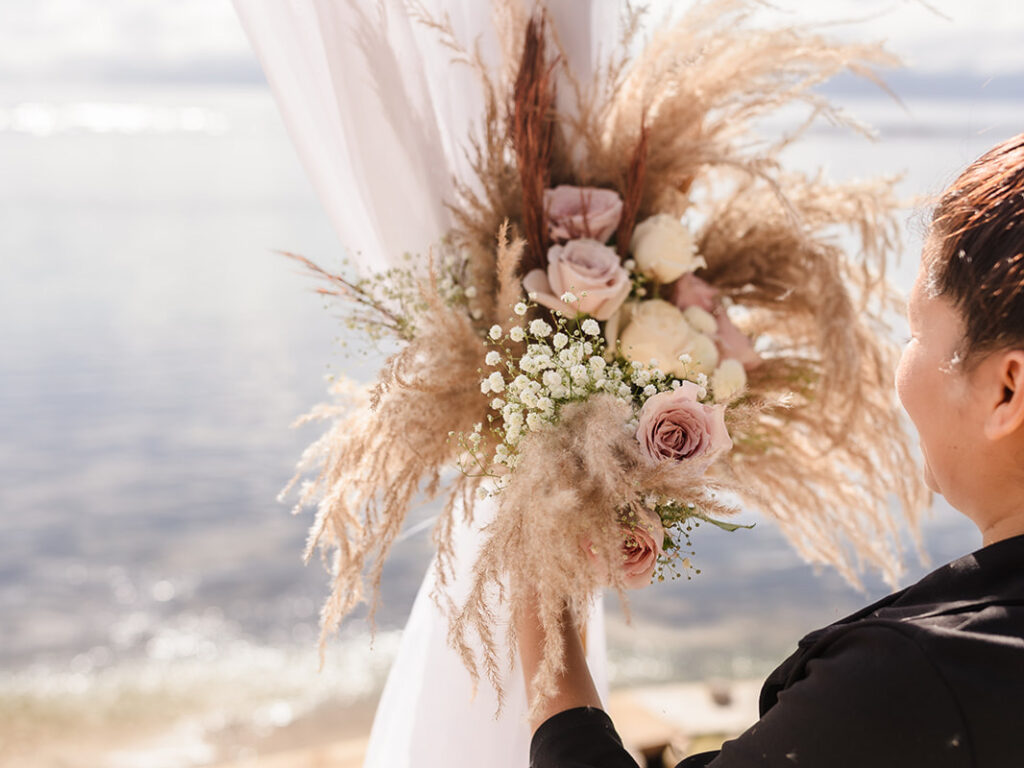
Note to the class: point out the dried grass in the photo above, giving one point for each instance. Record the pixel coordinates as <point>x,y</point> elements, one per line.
<point>819,443</point>
<point>387,447</point>
<point>572,485</point>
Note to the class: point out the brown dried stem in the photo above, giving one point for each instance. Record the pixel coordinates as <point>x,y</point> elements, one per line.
<point>533,131</point>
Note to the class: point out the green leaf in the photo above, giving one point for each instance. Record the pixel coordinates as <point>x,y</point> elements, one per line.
<point>722,524</point>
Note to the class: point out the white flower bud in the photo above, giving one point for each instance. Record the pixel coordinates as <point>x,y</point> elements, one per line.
<point>559,340</point>
<point>516,333</point>
<point>701,320</point>
<point>471,292</point>
<point>641,377</point>
<point>728,380</point>
<point>493,357</point>
<point>497,383</point>
<point>590,327</point>
<point>539,328</point>
<point>495,332</point>
<point>520,309</point>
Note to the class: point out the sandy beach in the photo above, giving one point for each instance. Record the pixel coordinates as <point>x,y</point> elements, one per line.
<point>670,720</point>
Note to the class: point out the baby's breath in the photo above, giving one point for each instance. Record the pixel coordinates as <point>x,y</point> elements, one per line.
<point>543,366</point>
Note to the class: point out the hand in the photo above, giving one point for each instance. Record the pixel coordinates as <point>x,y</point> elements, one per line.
<point>574,686</point>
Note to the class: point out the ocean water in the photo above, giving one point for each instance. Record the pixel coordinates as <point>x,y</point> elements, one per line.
<point>153,354</point>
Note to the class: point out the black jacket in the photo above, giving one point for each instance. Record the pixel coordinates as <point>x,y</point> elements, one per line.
<point>931,676</point>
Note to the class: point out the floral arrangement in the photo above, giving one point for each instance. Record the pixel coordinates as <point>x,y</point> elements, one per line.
<point>675,365</point>
<point>638,322</point>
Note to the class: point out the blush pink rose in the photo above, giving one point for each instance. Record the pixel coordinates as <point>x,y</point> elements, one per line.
<point>642,545</point>
<point>582,212</point>
<point>676,426</point>
<point>690,291</point>
<point>641,549</point>
<point>587,269</point>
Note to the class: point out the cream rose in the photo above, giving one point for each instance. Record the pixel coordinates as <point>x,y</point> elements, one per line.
<point>657,330</point>
<point>587,269</point>
<point>676,426</point>
<point>582,212</point>
<point>664,249</point>
<point>728,380</point>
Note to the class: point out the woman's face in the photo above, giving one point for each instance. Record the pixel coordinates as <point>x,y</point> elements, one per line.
<point>937,395</point>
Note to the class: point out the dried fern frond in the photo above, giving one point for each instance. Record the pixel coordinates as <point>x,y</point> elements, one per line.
<point>381,452</point>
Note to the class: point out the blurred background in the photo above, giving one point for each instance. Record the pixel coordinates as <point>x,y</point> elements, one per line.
<point>154,609</point>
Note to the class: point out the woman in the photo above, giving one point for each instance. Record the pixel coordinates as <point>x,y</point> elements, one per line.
<point>932,675</point>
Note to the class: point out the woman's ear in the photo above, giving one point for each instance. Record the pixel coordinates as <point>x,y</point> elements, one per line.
<point>1008,415</point>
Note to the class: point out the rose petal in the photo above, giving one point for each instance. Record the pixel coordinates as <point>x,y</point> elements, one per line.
<point>537,287</point>
<point>690,291</point>
<point>592,272</point>
<point>732,342</point>
<point>582,212</point>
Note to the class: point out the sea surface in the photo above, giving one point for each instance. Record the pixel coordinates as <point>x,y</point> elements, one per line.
<point>154,350</point>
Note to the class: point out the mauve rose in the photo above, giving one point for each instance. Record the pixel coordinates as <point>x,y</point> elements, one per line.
<point>575,212</point>
<point>641,546</point>
<point>690,291</point>
<point>641,549</point>
<point>676,426</point>
<point>587,269</point>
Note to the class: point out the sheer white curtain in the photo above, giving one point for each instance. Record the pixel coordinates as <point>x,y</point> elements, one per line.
<point>380,115</point>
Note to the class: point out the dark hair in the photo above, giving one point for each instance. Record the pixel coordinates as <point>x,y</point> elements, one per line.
<point>975,255</point>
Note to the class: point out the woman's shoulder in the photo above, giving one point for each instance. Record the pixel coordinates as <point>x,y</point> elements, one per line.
<point>965,657</point>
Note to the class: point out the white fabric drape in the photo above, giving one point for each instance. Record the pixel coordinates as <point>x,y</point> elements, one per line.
<point>428,715</point>
<point>379,113</point>
<point>380,117</point>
